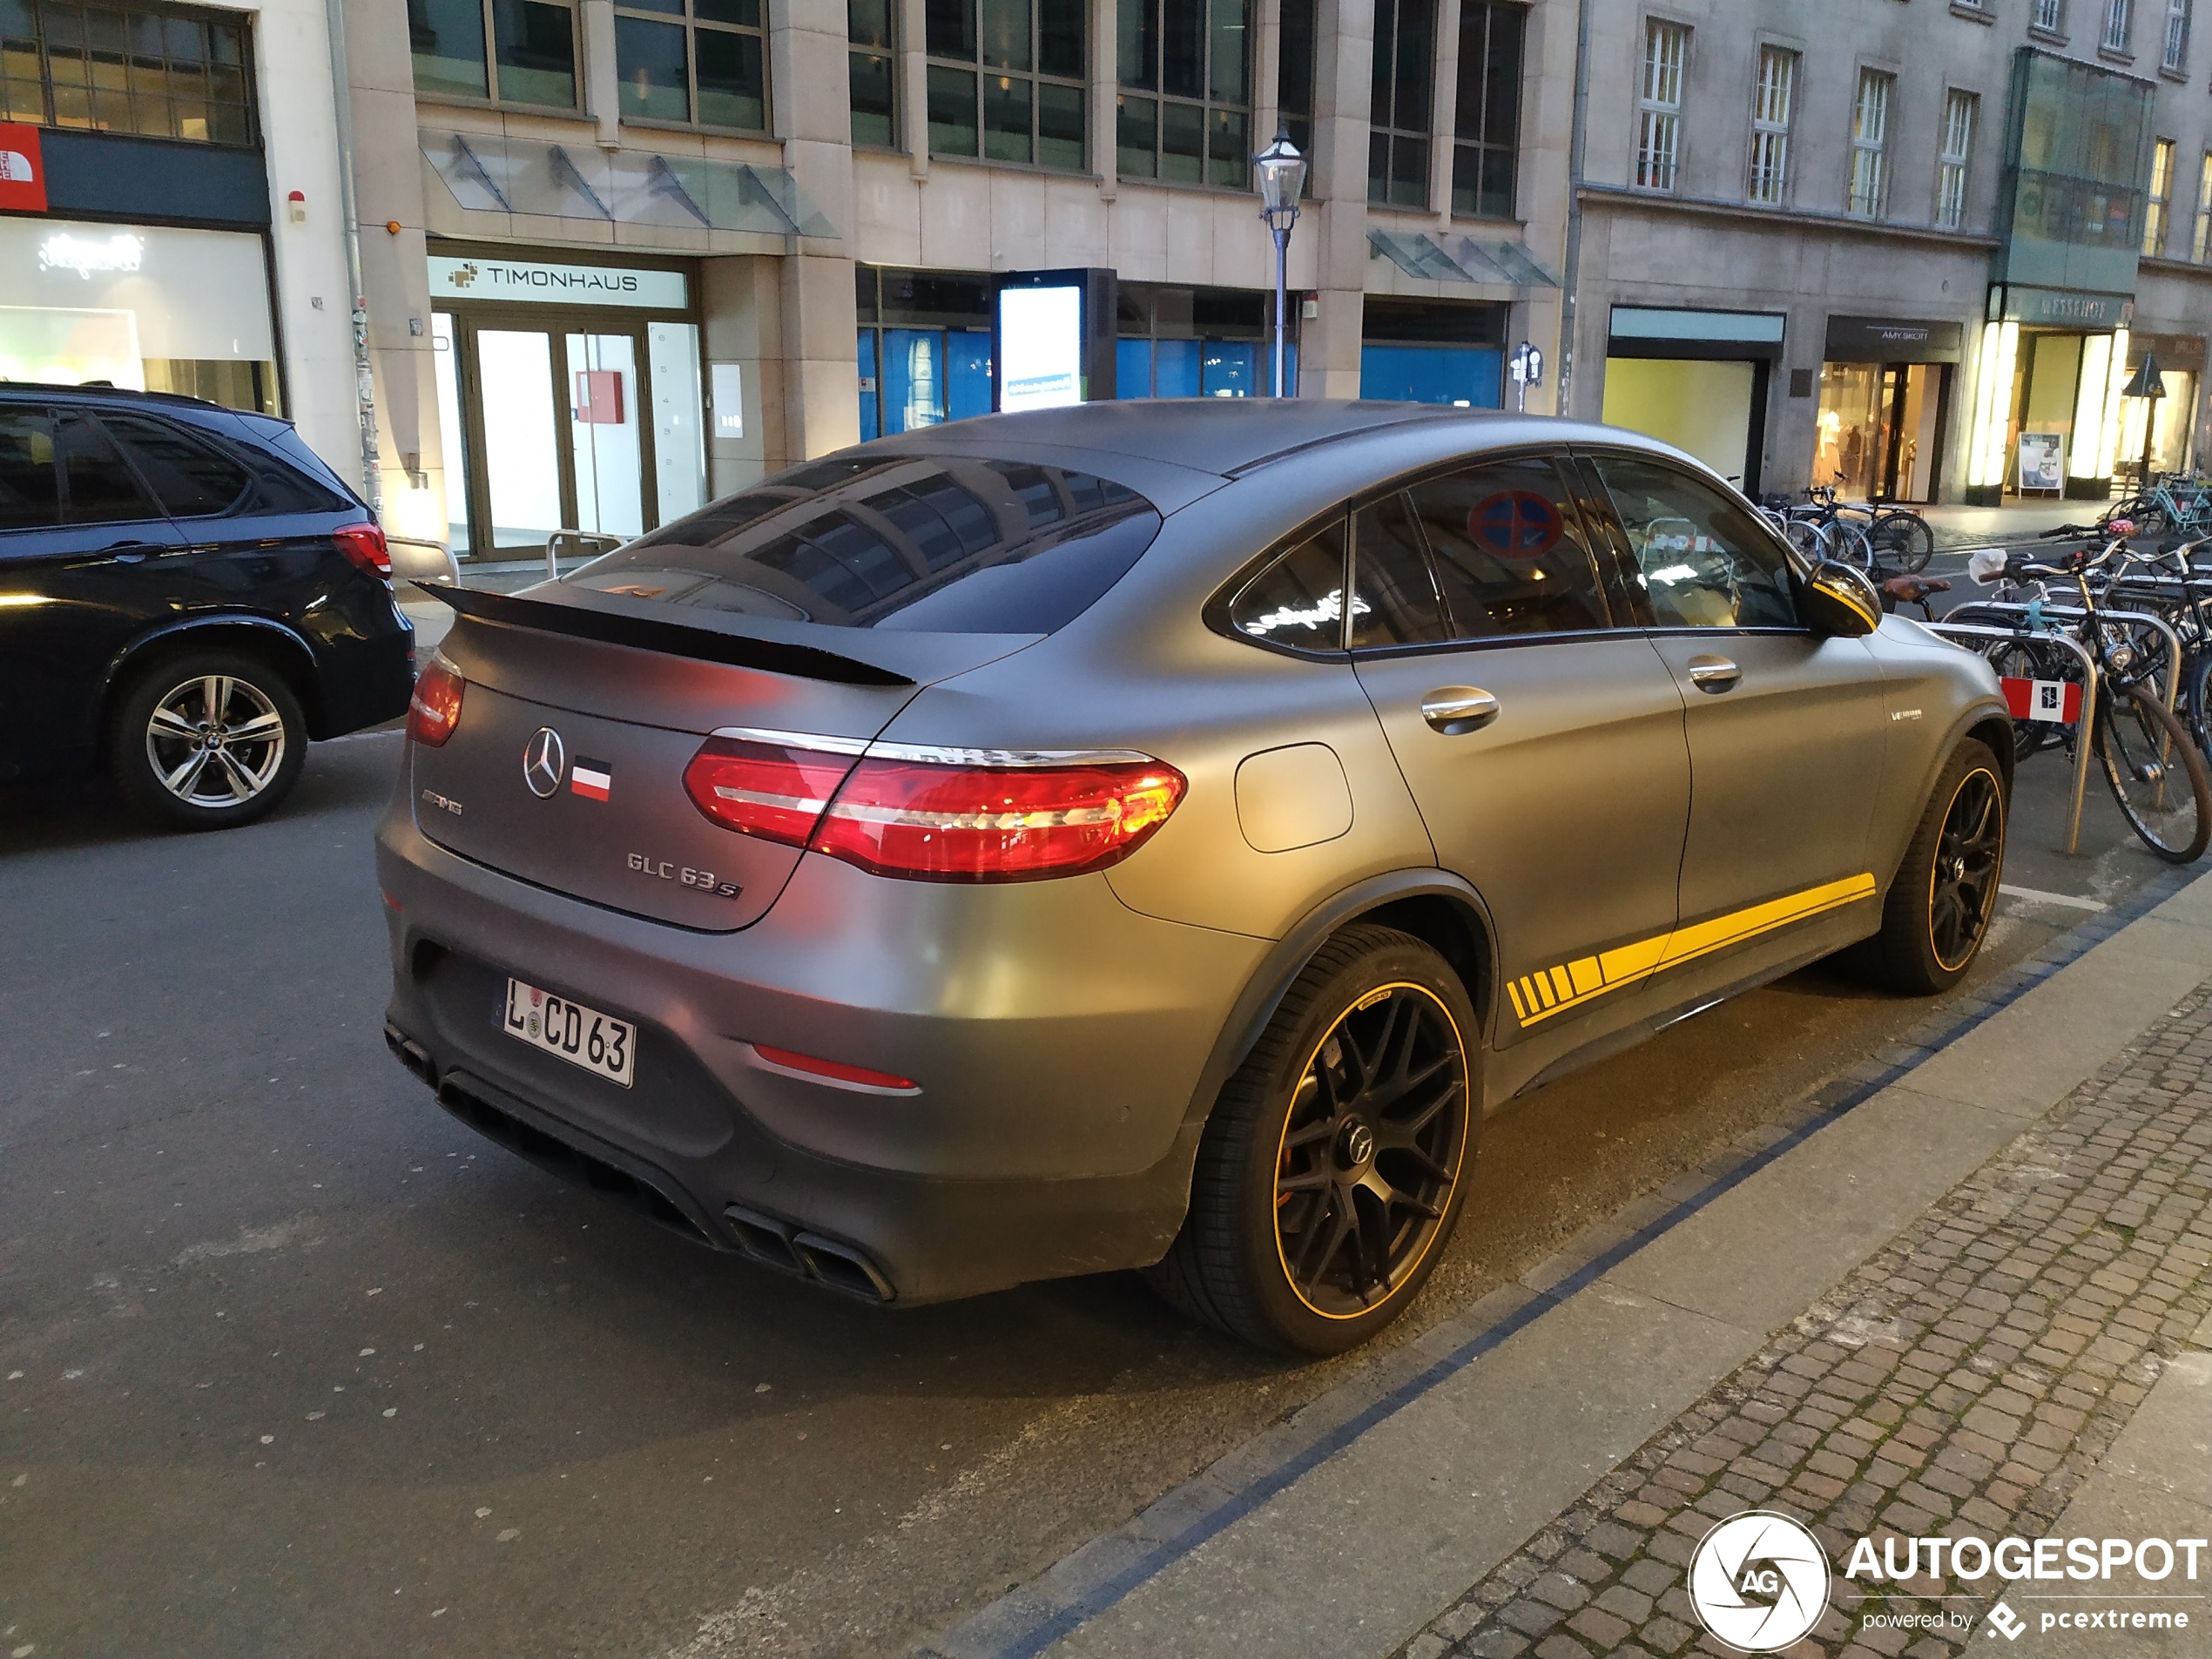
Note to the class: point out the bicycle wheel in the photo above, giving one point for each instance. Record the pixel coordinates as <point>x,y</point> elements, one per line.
<point>1803,535</point>
<point>1903,541</point>
<point>2195,701</point>
<point>1847,543</point>
<point>2024,659</point>
<point>2156,775</point>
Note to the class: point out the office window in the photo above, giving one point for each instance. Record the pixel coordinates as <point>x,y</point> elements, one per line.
<point>1486,122</point>
<point>1005,80</point>
<point>2176,52</point>
<point>1869,127</point>
<point>870,26</point>
<point>1184,109</point>
<point>143,69</point>
<point>1294,74</point>
<point>1404,71</point>
<point>1772,94</point>
<point>2200,246</point>
<point>702,63</point>
<point>1659,105</point>
<point>2120,22</point>
<point>1958,110</point>
<point>2159,207</point>
<point>2050,15</point>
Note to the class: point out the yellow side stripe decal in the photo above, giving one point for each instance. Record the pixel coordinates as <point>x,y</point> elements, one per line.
<point>1551,990</point>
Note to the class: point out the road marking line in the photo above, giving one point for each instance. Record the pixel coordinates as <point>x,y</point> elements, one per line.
<point>2037,896</point>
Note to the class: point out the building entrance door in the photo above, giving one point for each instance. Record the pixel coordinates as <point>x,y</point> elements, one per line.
<point>1881,434</point>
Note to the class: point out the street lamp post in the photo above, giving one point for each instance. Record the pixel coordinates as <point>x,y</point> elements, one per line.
<point>1282,175</point>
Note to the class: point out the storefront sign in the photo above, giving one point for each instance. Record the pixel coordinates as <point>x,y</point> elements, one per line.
<point>2059,307</point>
<point>22,169</point>
<point>1746,328</point>
<point>563,285</point>
<point>2173,351</point>
<point>1879,340</point>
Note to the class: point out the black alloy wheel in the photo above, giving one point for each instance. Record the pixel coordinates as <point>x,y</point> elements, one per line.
<point>1334,1164</point>
<point>1962,886</point>
<point>1371,1149</point>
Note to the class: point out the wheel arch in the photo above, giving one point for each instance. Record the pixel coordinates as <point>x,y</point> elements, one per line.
<point>269,641</point>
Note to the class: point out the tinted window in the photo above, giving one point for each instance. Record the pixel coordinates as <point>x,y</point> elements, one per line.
<point>1395,599</point>
<point>1297,600</point>
<point>1705,560</point>
<point>938,543</point>
<point>30,488</point>
<point>190,478</point>
<point>1509,551</point>
<point>98,489</point>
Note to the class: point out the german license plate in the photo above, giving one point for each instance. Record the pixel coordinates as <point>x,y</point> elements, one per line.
<point>599,1042</point>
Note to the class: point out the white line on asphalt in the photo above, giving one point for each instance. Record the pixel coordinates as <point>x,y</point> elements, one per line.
<point>2037,896</point>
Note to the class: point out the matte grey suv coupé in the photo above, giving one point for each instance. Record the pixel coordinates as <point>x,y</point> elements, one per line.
<point>1153,835</point>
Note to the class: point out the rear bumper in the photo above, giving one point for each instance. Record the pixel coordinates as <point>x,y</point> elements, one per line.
<point>1058,1039</point>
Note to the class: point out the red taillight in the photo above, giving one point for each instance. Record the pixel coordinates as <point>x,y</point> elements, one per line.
<point>936,820</point>
<point>766,789</point>
<point>434,709</point>
<point>363,544</point>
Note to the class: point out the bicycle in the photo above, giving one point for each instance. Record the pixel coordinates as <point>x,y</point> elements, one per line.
<point>2136,739</point>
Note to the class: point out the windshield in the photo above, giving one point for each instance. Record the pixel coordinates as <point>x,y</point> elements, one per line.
<point>942,544</point>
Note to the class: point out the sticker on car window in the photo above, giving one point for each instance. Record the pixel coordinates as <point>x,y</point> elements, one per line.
<point>1516,524</point>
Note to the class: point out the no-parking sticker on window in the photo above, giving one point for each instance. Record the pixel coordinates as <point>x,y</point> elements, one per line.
<point>1516,524</point>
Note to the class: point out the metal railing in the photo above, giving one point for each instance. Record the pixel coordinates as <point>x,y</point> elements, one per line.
<point>577,546</point>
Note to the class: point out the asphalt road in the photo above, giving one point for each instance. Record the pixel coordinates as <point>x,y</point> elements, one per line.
<point>292,1363</point>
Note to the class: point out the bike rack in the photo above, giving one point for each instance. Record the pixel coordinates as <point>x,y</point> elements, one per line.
<point>2165,629</point>
<point>2084,737</point>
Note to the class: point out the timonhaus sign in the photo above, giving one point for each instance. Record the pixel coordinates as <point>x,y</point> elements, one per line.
<point>533,282</point>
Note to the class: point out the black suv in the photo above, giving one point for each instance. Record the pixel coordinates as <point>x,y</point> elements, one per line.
<point>187,596</point>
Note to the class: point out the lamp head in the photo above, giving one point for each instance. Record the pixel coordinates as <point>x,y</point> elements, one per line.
<point>1282,177</point>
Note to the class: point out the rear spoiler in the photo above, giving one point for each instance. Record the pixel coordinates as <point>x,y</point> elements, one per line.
<point>669,638</point>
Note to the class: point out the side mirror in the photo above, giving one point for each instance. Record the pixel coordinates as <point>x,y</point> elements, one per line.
<point>1841,601</point>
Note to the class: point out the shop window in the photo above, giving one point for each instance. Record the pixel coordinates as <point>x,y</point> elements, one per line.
<point>870,25</point>
<point>533,50</point>
<point>1959,113</point>
<point>1184,109</point>
<point>1196,342</point>
<point>1659,105</point>
<point>1773,97</point>
<point>924,353</point>
<point>1433,351</point>
<point>1007,80</point>
<point>693,63</point>
<point>1294,72</point>
<point>2176,52</point>
<point>2160,204</point>
<point>2200,246</point>
<point>1870,137</point>
<point>1404,75</point>
<point>157,72</point>
<point>1486,151</point>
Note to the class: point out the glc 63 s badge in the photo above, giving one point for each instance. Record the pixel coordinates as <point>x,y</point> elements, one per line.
<point>684,875</point>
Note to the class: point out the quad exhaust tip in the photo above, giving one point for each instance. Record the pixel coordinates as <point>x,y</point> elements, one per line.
<point>789,1249</point>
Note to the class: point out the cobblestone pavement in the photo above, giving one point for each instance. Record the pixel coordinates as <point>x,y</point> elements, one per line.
<point>1963,1379</point>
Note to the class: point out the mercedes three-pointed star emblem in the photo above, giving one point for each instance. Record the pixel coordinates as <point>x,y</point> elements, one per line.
<point>545,759</point>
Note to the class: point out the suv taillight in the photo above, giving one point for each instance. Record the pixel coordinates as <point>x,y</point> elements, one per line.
<point>363,544</point>
<point>434,709</point>
<point>936,820</point>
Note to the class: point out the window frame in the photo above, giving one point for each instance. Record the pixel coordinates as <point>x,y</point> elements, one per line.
<point>1659,118</point>
<point>48,114</point>
<point>2048,17</point>
<point>1870,156</point>
<point>939,64</point>
<point>2201,243</point>
<point>1236,153</point>
<point>692,25</point>
<point>1955,166</point>
<point>1389,132</point>
<point>1294,106</point>
<point>2117,29</point>
<point>1768,162</point>
<point>891,54</point>
<point>1475,69</point>
<point>2173,47</point>
<point>2158,204</point>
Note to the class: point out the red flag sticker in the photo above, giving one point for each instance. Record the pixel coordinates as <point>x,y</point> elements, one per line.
<point>2057,701</point>
<point>592,779</point>
<point>22,169</point>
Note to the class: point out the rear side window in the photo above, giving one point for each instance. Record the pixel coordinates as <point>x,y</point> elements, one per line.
<point>31,496</point>
<point>943,543</point>
<point>1510,554</point>
<point>192,479</point>
<point>1298,600</point>
<point>97,487</point>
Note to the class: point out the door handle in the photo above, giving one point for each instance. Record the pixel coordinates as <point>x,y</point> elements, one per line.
<point>132,552</point>
<point>1457,710</point>
<point>1714,674</point>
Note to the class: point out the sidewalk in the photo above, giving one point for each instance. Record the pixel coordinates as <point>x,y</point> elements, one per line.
<point>1966,1291</point>
<point>1958,528</point>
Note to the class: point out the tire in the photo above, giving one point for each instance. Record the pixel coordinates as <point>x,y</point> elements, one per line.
<point>169,771</point>
<point>1904,542</point>
<point>1806,535</point>
<point>2141,744</point>
<point>1289,1242</point>
<point>1940,901</point>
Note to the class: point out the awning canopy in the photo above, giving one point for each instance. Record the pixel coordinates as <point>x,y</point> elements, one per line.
<point>1459,259</point>
<point>497,175</point>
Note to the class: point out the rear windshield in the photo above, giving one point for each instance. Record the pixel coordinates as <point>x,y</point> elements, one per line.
<point>940,543</point>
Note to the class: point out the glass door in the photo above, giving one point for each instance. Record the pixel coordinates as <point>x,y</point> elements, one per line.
<point>521,451</point>
<point>606,449</point>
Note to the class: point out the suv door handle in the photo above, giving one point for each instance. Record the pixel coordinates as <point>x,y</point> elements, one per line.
<point>1458,710</point>
<point>128,552</point>
<point>1714,674</point>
